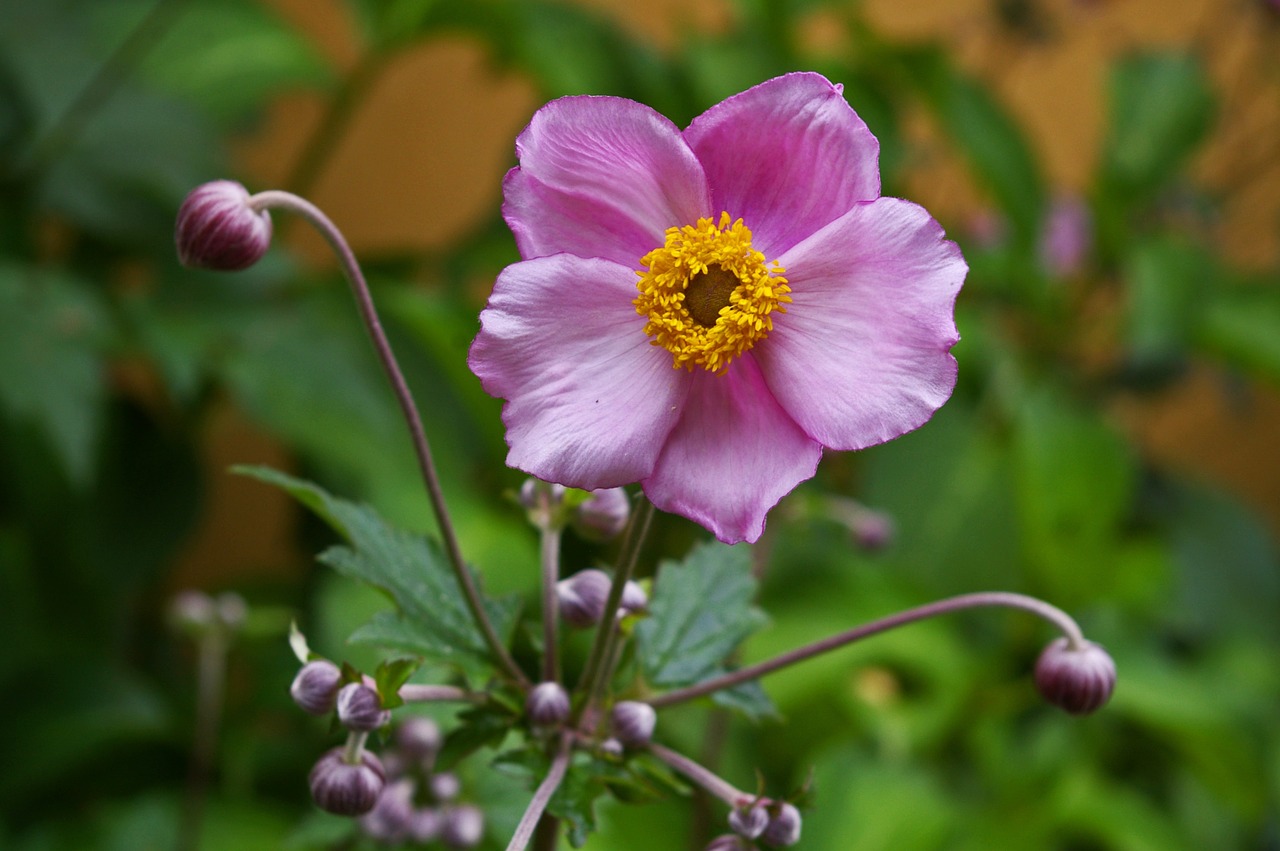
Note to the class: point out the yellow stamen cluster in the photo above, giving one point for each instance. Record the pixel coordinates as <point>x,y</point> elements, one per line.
<point>708,295</point>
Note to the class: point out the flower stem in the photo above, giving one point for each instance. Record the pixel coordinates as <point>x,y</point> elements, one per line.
<point>595,673</point>
<point>416,693</point>
<point>1044,610</point>
<point>542,797</point>
<point>211,675</point>
<point>550,603</point>
<point>704,777</point>
<point>364,300</point>
<point>354,748</point>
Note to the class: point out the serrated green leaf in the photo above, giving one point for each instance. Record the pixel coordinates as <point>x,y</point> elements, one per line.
<point>392,674</point>
<point>433,619</point>
<point>700,611</point>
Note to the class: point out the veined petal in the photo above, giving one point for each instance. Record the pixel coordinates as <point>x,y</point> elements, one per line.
<point>732,456</point>
<point>862,354</point>
<point>788,157</point>
<point>589,402</point>
<point>601,177</point>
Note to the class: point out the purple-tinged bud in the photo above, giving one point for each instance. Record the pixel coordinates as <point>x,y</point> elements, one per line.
<point>749,821</point>
<point>419,738</point>
<point>611,747</point>
<point>391,816</point>
<point>729,842</point>
<point>217,229</point>
<point>360,708</point>
<point>344,788</point>
<point>1077,680</point>
<point>634,599</point>
<point>633,722</point>
<point>532,489</point>
<point>603,515</point>
<point>192,611</point>
<point>582,597</point>
<point>315,688</point>
<point>784,826</point>
<point>463,826</point>
<point>444,786</point>
<point>547,704</point>
<point>426,824</point>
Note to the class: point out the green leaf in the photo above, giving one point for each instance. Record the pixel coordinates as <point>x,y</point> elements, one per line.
<point>1161,109</point>
<point>1167,281</point>
<point>700,612</point>
<point>484,726</point>
<point>392,674</point>
<point>433,619</point>
<point>52,329</point>
<point>1239,327</point>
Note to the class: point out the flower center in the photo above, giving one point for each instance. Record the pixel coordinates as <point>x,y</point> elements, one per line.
<point>708,295</point>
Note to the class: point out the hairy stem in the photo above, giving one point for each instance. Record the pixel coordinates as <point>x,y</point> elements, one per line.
<point>1050,613</point>
<point>275,199</point>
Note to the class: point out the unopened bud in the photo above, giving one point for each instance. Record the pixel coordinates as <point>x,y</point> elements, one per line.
<point>1079,680</point>
<point>426,824</point>
<point>603,515</point>
<point>582,597</point>
<point>729,842</point>
<point>315,688</point>
<point>391,816</point>
<point>784,826</point>
<point>360,708</point>
<point>634,599</point>
<point>633,722</point>
<point>444,786</point>
<point>612,747</point>
<point>749,821</point>
<point>547,704</point>
<point>217,229</point>
<point>419,738</point>
<point>463,826</point>
<point>344,788</point>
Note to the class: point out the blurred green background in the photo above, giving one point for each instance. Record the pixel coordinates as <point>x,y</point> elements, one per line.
<point>1112,171</point>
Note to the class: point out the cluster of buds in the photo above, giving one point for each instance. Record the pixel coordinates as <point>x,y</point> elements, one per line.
<point>775,824</point>
<point>598,515</point>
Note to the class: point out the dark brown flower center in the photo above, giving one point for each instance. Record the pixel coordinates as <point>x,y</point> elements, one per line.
<point>708,292</point>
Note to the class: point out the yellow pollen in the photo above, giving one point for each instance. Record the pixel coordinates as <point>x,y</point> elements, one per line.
<point>708,295</point>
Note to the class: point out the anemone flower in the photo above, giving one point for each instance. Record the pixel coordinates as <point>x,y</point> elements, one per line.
<point>704,311</point>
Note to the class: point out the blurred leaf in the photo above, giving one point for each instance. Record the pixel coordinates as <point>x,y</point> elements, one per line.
<point>52,330</point>
<point>748,699</point>
<point>1167,282</point>
<point>1161,108</point>
<point>1239,326</point>
<point>481,727</point>
<point>433,617</point>
<point>700,611</point>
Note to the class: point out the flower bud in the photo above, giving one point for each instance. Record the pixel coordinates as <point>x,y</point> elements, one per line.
<point>582,597</point>
<point>603,515</point>
<point>729,842</point>
<point>463,826</point>
<point>445,786</point>
<point>391,816</point>
<point>315,688</point>
<point>634,599</point>
<point>633,722</point>
<point>784,826</point>
<point>344,788</point>
<point>217,229</point>
<point>426,824</point>
<point>360,708</point>
<point>232,611</point>
<point>749,821</point>
<point>611,747</point>
<point>192,611</point>
<point>419,738</point>
<point>1077,680</point>
<point>547,704</point>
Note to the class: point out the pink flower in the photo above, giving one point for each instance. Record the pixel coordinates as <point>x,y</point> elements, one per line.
<point>703,311</point>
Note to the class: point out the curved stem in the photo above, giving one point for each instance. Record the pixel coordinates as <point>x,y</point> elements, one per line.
<point>416,693</point>
<point>1044,610</point>
<point>275,199</point>
<point>704,777</point>
<point>595,673</point>
<point>542,797</point>
<point>550,603</point>
<point>351,753</point>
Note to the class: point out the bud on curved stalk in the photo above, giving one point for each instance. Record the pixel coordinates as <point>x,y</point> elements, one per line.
<point>462,827</point>
<point>582,597</point>
<point>633,722</point>
<point>547,704</point>
<point>344,788</point>
<point>749,821</point>
<point>218,229</point>
<point>315,688</point>
<point>1078,679</point>
<point>603,515</point>
<point>784,826</point>
<point>360,708</point>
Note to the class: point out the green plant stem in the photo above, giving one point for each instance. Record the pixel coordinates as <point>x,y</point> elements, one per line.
<point>275,199</point>
<point>1044,610</point>
<point>704,777</point>
<point>594,673</point>
<point>533,815</point>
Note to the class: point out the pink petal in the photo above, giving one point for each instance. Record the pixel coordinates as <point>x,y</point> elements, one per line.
<point>788,157</point>
<point>732,456</point>
<point>601,177</point>
<point>862,353</point>
<point>589,401</point>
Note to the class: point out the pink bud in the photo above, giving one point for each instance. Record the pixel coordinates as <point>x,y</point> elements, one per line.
<point>344,788</point>
<point>633,722</point>
<point>784,826</point>
<point>1079,680</point>
<point>360,708</point>
<point>603,515</point>
<point>315,688</point>
<point>750,821</point>
<point>217,229</point>
<point>547,704</point>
